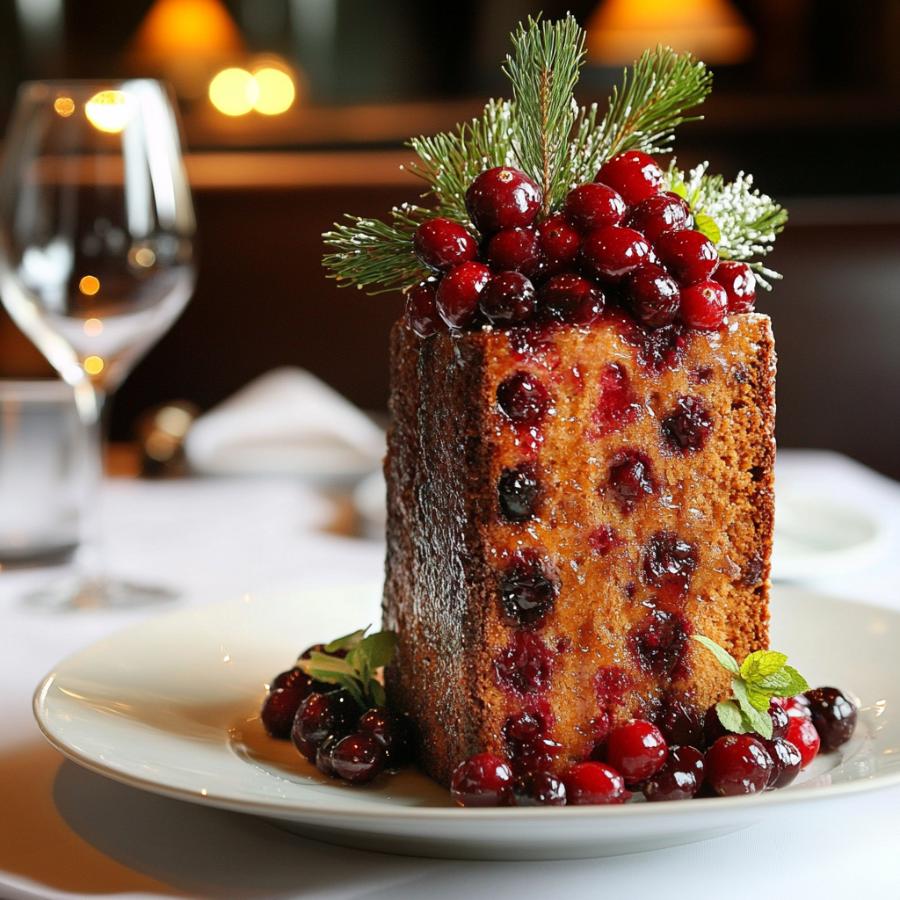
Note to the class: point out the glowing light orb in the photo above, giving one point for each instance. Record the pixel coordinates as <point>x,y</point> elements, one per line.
<point>233,92</point>
<point>276,91</point>
<point>108,111</point>
<point>89,285</point>
<point>93,365</point>
<point>64,106</point>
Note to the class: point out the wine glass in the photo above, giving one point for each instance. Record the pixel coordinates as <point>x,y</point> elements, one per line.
<point>96,260</point>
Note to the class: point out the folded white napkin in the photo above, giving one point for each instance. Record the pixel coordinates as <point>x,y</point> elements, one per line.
<point>286,421</point>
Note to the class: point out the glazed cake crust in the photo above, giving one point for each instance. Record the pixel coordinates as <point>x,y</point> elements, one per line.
<point>636,575</point>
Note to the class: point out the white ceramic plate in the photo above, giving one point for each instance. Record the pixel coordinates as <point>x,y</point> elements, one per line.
<point>170,706</point>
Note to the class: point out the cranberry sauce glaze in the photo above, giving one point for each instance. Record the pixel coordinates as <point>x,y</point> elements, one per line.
<point>568,503</point>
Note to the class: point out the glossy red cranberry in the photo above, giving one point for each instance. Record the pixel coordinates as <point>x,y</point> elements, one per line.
<point>321,715</point>
<point>590,783</point>
<point>635,175</point>
<point>523,728</point>
<point>803,735</point>
<point>459,291</point>
<point>537,755</point>
<point>518,491</point>
<point>679,720</point>
<point>482,780</point>
<point>421,309</point>
<point>659,642</point>
<point>795,707</point>
<point>392,731</point>
<point>502,197</point>
<point>571,298</point>
<point>779,718</point>
<point>740,285</point>
<point>688,254</point>
<point>279,709</point>
<point>636,749</point>
<point>713,729</point>
<point>559,242</point>
<point>441,244</point>
<point>618,404</point>
<point>660,213</point>
<point>738,764</point>
<point>593,205</point>
<point>612,252</point>
<point>528,588</point>
<point>703,305</point>
<point>610,685</point>
<point>324,757</point>
<point>525,666</point>
<point>688,426</point>
<point>515,250</point>
<point>653,295</point>
<point>631,479</point>
<point>680,778</point>
<point>523,398</point>
<point>786,762</point>
<point>834,716</point>
<point>669,561</point>
<point>657,348</point>
<point>358,758</point>
<point>508,298</point>
<point>603,539</point>
<point>539,789</point>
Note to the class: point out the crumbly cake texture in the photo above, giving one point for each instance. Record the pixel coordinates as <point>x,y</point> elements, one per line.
<point>689,555</point>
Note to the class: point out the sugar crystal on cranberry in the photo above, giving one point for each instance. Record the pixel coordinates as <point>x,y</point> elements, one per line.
<point>668,560</point>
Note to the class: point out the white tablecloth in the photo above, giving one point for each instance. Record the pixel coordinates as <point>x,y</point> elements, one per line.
<point>65,832</point>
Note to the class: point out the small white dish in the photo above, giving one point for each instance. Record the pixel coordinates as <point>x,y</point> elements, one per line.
<point>170,706</point>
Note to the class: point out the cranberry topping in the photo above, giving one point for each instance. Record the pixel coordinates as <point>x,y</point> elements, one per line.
<point>502,197</point>
<point>421,309</point>
<point>593,205</point>
<point>833,715</point>
<point>358,758</point>
<point>786,762</point>
<point>703,305</point>
<point>523,398</point>
<point>740,285</point>
<point>279,708</point>
<point>522,728</point>
<point>589,783</point>
<point>679,720</point>
<point>391,730</point>
<point>528,588</point>
<point>657,348</point>
<point>537,755</point>
<point>458,293</point>
<point>636,749</point>
<point>687,427</point>
<point>660,213</point>
<point>571,298</point>
<point>515,250</point>
<point>738,764</point>
<point>653,295</point>
<point>518,491</point>
<point>482,780</point>
<point>618,404</point>
<point>635,175</point>
<point>539,789</point>
<point>441,244</point>
<point>526,665</point>
<point>559,241</point>
<point>669,561</point>
<point>680,778</point>
<point>690,255</point>
<point>508,298</point>
<point>631,478</point>
<point>321,715</point>
<point>611,683</point>
<point>803,735</point>
<point>659,642</point>
<point>602,539</point>
<point>612,252</point>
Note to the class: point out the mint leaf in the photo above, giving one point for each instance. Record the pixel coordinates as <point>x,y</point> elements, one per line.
<point>376,691</point>
<point>758,719</point>
<point>379,648</point>
<point>796,685</point>
<point>758,699</point>
<point>348,641</point>
<point>724,658</point>
<point>773,685</point>
<point>731,717</point>
<point>707,225</point>
<point>323,664</point>
<point>761,664</point>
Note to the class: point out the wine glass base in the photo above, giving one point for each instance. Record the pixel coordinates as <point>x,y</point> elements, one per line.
<point>98,593</point>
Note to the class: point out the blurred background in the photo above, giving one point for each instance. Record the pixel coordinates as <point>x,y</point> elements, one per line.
<point>807,97</point>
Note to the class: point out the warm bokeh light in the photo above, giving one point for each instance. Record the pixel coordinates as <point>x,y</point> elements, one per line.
<point>108,111</point>
<point>64,106</point>
<point>233,91</point>
<point>89,285</point>
<point>276,91</point>
<point>144,257</point>
<point>93,365</point>
<point>93,327</point>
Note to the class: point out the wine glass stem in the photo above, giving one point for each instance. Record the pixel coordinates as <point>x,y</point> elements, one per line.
<point>92,405</point>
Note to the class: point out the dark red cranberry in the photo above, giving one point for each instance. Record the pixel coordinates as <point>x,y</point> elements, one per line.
<point>523,398</point>
<point>602,539</point>
<point>523,728</point>
<point>459,291</point>
<point>515,250</point>
<point>786,761</point>
<point>392,731</point>
<point>518,491</point>
<point>610,684</point>
<point>292,678</point>
<point>528,588</point>
<point>657,348</point>
<point>740,285</point>
<point>324,757</point>
<point>571,298</point>
<point>659,642</point>
<point>635,175</point>
<point>321,715</point>
<point>680,721</point>
<point>636,749</point>
<point>795,707</point>
<point>526,665</point>
<point>803,735</point>
<point>612,252</point>
<point>590,783</point>
<point>539,789</point>
<point>279,709</point>
<point>559,242</point>
<point>502,197</point>
<point>537,755</point>
<point>441,244</point>
<point>660,213</point>
<point>358,758</point>
<point>688,426</point>
<point>421,310</point>
<point>690,255</point>
<point>779,718</point>
<point>593,205</point>
<point>738,764</point>
<point>680,778</point>
<point>703,305</point>
<point>653,295</point>
<point>482,780</point>
<point>631,478</point>
<point>713,729</point>
<point>618,405</point>
<point>508,298</point>
<point>833,715</point>
<point>669,561</point>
